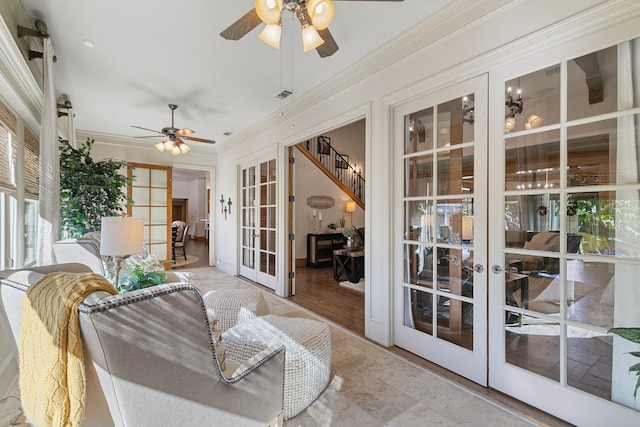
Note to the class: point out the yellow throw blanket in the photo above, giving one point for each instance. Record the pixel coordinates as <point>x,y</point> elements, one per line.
<point>52,376</point>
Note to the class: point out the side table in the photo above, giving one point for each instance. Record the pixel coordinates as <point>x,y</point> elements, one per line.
<point>348,263</point>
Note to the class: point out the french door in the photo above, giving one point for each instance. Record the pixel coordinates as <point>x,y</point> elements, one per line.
<point>440,279</point>
<point>565,260</point>
<point>151,192</point>
<point>258,220</point>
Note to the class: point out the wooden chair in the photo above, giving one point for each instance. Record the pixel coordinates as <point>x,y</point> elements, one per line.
<point>179,244</point>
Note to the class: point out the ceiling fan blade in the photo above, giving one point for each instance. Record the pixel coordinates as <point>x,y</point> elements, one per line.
<point>150,130</point>
<point>148,136</point>
<point>329,47</point>
<point>193,138</point>
<point>242,26</point>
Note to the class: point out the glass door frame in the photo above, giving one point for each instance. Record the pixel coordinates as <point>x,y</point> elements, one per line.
<point>556,397</point>
<point>471,364</point>
<point>264,230</point>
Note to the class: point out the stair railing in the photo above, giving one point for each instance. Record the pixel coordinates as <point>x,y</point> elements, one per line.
<point>336,165</point>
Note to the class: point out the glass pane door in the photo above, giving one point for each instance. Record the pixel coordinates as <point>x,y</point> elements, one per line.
<point>566,269</point>
<point>441,286</point>
<point>248,223</point>
<point>258,223</point>
<point>151,193</point>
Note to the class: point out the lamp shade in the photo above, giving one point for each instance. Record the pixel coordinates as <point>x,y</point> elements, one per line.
<point>121,236</point>
<point>160,146</point>
<point>271,35</point>
<point>350,207</point>
<point>467,227</point>
<point>310,38</point>
<point>321,13</point>
<point>269,10</point>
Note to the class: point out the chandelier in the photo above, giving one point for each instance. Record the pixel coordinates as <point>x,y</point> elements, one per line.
<point>313,15</point>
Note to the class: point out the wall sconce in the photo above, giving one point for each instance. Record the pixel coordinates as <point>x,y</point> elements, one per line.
<point>225,209</point>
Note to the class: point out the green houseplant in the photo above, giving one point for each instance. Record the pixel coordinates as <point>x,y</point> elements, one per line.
<point>633,335</point>
<point>89,190</point>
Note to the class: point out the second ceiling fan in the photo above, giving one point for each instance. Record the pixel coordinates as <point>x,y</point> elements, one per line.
<point>314,16</point>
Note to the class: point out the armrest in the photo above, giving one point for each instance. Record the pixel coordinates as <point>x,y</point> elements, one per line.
<point>250,365</point>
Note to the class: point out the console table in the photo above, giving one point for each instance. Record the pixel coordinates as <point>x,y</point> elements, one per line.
<point>320,247</point>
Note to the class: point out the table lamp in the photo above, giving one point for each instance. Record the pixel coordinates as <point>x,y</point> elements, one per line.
<point>120,237</point>
<point>351,208</point>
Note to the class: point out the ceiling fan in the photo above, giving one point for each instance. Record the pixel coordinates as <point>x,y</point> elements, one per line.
<point>175,136</point>
<point>314,16</point>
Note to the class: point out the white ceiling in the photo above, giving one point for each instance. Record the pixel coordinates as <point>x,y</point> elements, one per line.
<point>149,53</point>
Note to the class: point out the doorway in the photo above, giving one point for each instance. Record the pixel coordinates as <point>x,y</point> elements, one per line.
<point>323,208</point>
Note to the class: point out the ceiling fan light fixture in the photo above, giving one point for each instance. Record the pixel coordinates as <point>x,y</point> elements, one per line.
<point>271,35</point>
<point>269,10</point>
<point>321,13</point>
<point>168,144</point>
<point>184,148</point>
<point>185,131</point>
<point>310,38</point>
<point>175,150</point>
<point>160,146</point>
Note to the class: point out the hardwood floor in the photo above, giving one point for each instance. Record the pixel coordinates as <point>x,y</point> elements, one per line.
<point>317,291</point>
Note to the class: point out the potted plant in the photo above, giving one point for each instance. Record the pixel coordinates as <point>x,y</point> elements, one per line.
<point>633,335</point>
<point>89,189</point>
<point>350,233</point>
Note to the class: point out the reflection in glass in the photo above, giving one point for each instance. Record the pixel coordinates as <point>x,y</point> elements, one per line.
<point>591,292</point>
<point>455,322</point>
<point>419,131</point>
<point>531,214</point>
<point>455,121</point>
<point>594,152</point>
<point>532,161</point>
<point>533,100</point>
<point>419,221</point>
<point>418,176</point>
<point>608,224</point>
<point>418,310</point>
<point>455,171</point>
<point>536,352</point>
<point>589,361</point>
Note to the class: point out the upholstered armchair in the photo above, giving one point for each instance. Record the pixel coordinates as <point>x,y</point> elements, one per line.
<point>150,359</point>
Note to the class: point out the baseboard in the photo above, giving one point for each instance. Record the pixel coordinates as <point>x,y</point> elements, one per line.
<point>301,262</point>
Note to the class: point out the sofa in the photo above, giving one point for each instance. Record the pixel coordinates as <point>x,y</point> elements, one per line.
<point>150,359</point>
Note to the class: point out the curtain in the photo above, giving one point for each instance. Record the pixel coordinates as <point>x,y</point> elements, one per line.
<point>49,187</point>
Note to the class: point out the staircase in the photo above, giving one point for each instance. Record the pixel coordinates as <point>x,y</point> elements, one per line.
<point>335,167</point>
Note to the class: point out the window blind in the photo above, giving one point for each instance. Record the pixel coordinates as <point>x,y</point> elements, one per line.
<point>31,165</point>
<point>7,150</point>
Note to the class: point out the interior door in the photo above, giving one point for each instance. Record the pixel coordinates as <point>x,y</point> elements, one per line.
<point>258,188</point>
<point>440,289</point>
<point>566,221</point>
<point>151,192</point>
